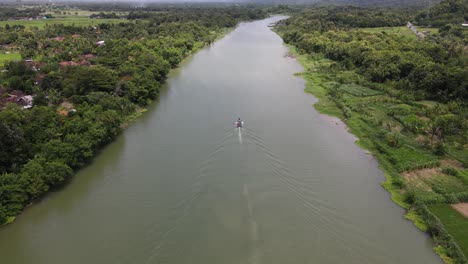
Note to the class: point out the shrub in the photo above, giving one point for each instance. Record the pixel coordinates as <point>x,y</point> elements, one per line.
<point>449,170</point>
<point>394,139</point>
<point>440,234</point>
<point>439,149</point>
<point>3,217</point>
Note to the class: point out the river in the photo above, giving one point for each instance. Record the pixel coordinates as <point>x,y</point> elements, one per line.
<point>182,185</point>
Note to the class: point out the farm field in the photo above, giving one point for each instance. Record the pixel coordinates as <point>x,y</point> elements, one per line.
<point>455,223</point>
<point>71,20</point>
<point>403,30</point>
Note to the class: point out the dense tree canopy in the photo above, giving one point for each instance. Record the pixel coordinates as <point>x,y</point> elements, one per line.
<point>434,68</point>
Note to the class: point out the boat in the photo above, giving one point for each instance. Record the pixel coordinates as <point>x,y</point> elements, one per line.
<point>239,123</point>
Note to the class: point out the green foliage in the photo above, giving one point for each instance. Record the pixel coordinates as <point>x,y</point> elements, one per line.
<point>394,139</point>
<point>450,171</point>
<point>14,148</point>
<point>417,220</point>
<point>454,223</point>
<point>3,217</point>
<point>442,252</point>
<point>12,56</point>
<point>463,175</point>
<point>358,90</point>
<point>406,158</point>
<point>446,12</point>
<point>447,185</point>
<point>430,69</point>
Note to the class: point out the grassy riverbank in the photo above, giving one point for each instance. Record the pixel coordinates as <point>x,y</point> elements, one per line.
<point>415,174</point>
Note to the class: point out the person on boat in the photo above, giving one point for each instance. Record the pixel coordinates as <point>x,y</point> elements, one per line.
<point>239,123</point>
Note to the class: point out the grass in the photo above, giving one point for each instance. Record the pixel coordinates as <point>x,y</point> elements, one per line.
<point>315,84</point>
<point>406,157</point>
<point>12,56</point>
<point>133,117</point>
<point>68,21</point>
<point>10,219</point>
<point>397,196</point>
<point>447,184</point>
<point>417,220</point>
<point>442,252</point>
<point>358,90</point>
<point>463,175</point>
<point>455,223</point>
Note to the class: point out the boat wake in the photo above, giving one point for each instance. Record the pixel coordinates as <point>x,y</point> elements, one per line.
<point>240,134</point>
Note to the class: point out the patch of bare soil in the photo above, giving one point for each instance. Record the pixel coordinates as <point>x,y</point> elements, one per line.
<point>425,118</point>
<point>462,208</point>
<point>289,55</point>
<point>67,105</point>
<point>417,177</point>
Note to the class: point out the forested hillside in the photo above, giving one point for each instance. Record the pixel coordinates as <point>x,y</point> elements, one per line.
<point>76,87</point>
<point>362,3</point>
<point>453,11</point>
<point>404,92</point>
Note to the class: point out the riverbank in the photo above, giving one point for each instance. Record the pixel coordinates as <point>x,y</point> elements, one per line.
<point>322,83</point>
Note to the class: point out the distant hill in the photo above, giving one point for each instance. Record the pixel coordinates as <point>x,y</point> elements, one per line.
<point>366,3</point>
<point>446,12</point>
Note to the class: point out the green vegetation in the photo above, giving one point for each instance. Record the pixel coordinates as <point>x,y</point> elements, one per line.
<point>399,31</point>
<point>86,84</point>
<point>443,254</point>
<point>404,98</point>
<point>357,90</point>
<point>17,13</point>
<point>447,12</point>
<point>417,220</point>
<point>68,21</point>
<point>454,222</point>
<point>12,56</point>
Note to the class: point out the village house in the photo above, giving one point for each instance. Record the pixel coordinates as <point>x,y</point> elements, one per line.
<point>35,65</point>
<point>83,60</point>
<point>68,63</point>
<point>16,97</point>
<point>25,101</point>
